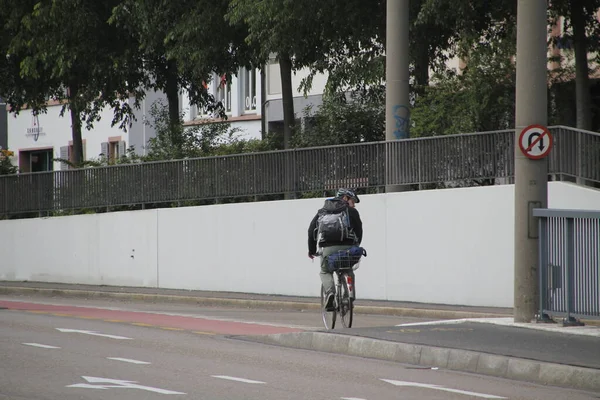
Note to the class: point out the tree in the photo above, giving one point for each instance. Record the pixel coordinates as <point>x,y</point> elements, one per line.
<point>65,50</point>
<point>582,34</point>
<point>179,48</point>
<point>482,98</point>
<point>296,32</point>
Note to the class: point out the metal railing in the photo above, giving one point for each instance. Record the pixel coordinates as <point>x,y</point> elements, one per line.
<point>569,246</point>
<point>456,160</point>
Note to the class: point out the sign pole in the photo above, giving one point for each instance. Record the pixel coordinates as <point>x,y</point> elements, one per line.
<point>531,166</point>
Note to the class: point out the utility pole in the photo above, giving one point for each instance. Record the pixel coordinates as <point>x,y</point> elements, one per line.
<point>531,176</point>
<point>397,111</point>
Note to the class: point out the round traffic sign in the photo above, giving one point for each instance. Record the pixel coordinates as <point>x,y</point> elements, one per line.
<point>535,141</point>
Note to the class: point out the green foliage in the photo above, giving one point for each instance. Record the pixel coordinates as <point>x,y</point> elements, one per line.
<point>178,142</point>
<point>482,98</point>
<point>343,119</point>
<point>6,166</point>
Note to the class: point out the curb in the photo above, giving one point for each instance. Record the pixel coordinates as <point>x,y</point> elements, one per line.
<point>513,368</point>
<point>248,303</point>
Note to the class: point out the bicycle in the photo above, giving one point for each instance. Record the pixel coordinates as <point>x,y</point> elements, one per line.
<point>344,294</point>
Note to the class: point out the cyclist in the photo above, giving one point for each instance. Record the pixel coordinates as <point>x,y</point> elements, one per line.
<point>334,234</point>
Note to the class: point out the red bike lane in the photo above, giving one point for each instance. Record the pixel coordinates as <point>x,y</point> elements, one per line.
<point>151,319</point>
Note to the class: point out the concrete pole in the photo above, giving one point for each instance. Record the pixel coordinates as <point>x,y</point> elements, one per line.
<point>397,112</point>
<point>531,176</point>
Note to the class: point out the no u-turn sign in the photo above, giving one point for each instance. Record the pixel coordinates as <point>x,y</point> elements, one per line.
<point>535,141</point>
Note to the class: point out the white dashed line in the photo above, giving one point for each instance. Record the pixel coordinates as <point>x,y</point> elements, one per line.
<point>233,378</point>
<point>439,387</point>
<point>127,360</point>
<point>92,333</point>
<point>43,346</point>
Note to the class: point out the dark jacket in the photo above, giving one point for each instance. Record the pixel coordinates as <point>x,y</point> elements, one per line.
<point>355,225</point>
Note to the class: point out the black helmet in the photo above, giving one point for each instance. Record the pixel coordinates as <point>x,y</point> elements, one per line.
<point>348,192</point>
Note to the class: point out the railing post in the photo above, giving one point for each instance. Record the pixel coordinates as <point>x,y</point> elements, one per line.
<point>216,178</point>
<point>254,182</point>
<point>570,275</point>
<point>5,195</point>
<point>142,188</point>
<point>579,174</point>
<point>543,268</point>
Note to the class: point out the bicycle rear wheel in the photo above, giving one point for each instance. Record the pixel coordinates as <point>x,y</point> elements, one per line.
<point>346,306</point>
<point>328,316</point>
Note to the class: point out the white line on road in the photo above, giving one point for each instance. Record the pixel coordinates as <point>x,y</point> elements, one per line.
<point>233,378</point>
<point>104,384</point>
<point>92,333</point>
<point>128,360</point>
<point>350,398</point>
<point>438,387</point>
<point>43,346</point>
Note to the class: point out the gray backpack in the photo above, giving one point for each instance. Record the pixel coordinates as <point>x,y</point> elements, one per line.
<point>333,222</point>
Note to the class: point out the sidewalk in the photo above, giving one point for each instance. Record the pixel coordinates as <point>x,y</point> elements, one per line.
<point>232,299</point>
<point>480,340</point>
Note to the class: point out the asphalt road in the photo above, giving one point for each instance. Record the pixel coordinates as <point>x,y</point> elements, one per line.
<point>96,352</point>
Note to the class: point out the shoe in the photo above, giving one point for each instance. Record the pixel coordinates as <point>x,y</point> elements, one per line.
<point>329,302</point>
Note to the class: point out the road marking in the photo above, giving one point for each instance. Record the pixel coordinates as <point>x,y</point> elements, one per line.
<point>92,333</point>
<point>168,328</point>
<point>116,383</point>
<point>438,387</point>
<point>233,378</point>
<point>61,315</point>
<point>128,360</point>
<point>44,346</point>
<point>350,398</point>
<point>439,322</point>
<point>113,320</point>
<point>140,324</point>
<point>203,333</point>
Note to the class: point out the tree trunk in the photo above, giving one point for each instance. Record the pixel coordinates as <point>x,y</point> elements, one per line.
<point>74,106</point>
<point>172,92</point>
<point>287,99</point>
<point>422,64</point>
<point>582,80</point>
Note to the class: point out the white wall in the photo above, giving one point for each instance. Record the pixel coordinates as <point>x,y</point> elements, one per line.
<point>450,246</point>
<point>96,249</point>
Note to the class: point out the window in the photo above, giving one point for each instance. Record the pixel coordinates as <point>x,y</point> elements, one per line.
<point>113,149</point>
<point>249,90</point>
<point>66,153</point>
<point>224,94</point>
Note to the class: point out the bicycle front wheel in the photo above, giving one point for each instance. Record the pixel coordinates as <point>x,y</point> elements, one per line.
<point>346,306</point>
<point>328,316</point>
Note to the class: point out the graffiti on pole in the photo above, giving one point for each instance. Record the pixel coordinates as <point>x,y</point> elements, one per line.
<point>402,117</point>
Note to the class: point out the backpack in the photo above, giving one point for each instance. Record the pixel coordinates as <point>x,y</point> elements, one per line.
<point>333,222</point>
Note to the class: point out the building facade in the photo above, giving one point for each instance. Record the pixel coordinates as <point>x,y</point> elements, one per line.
<point>38,142</point>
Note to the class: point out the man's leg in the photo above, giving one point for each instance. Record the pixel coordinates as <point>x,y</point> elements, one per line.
<point>327,277</point>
